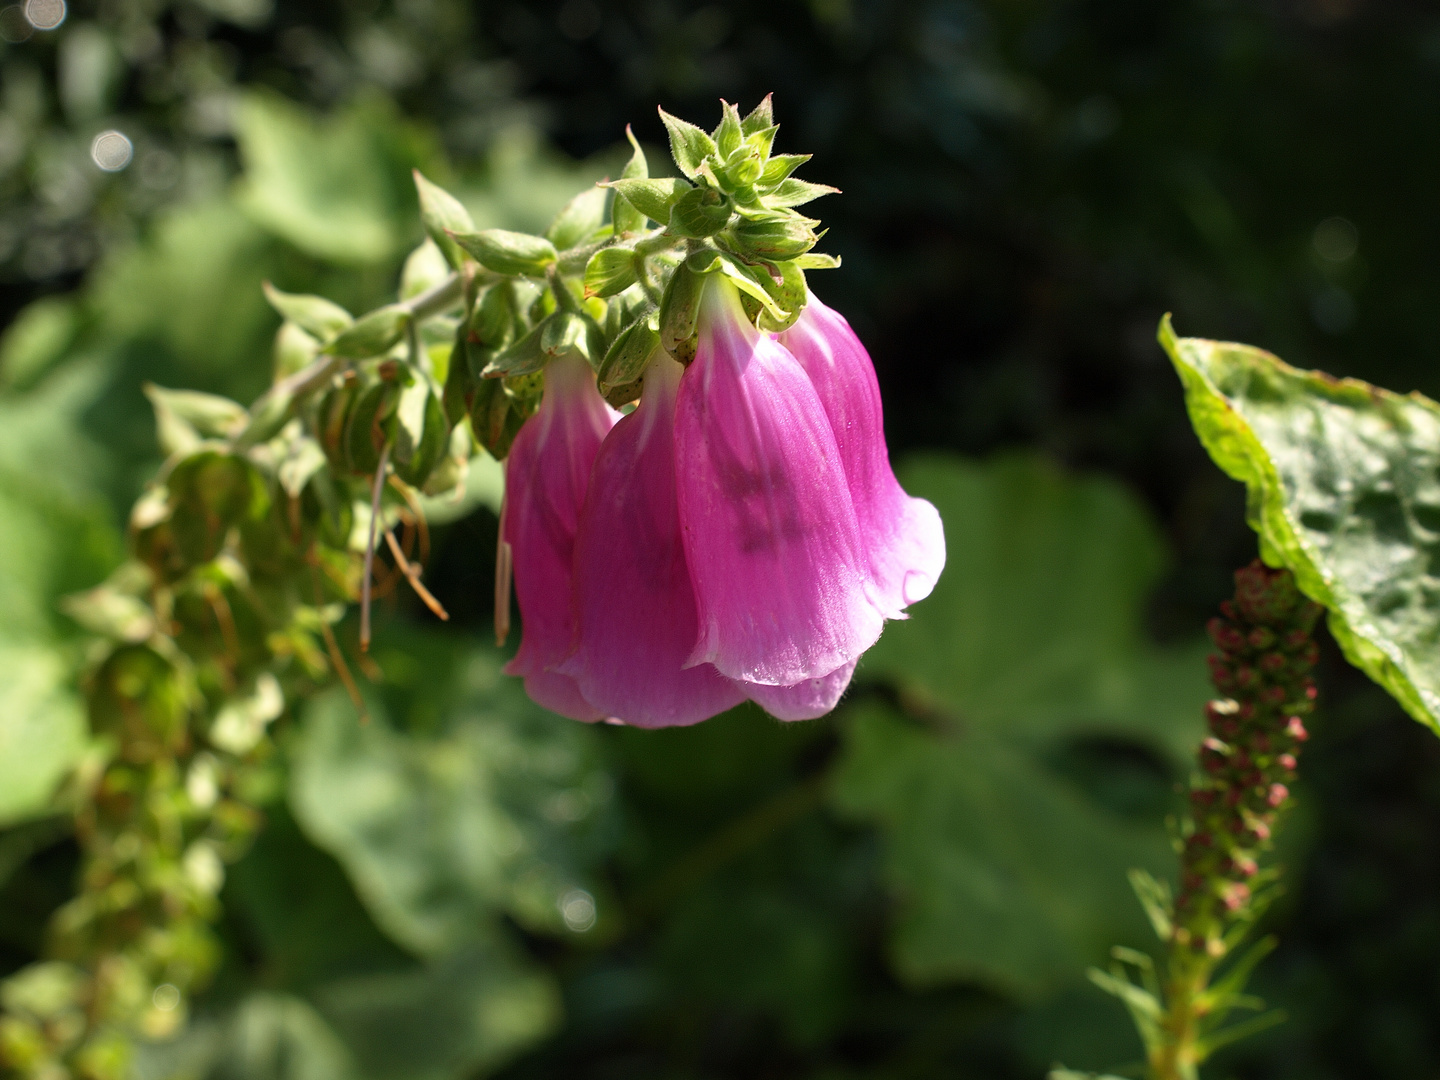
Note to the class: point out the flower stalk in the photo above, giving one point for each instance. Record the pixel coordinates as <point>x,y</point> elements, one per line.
<point>1265,653</point>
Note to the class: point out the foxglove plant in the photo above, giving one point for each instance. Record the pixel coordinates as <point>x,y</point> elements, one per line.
<point>743,535</point>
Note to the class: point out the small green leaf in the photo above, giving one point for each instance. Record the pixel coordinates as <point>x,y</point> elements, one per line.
<point>814,260</point>
<point>185,418</point>
<point>653,198</point>
<point>780,166</point>
<point>320,318</point>
<point>797,193</point>
<point>578,219</point>
<point>699,212</point>
<point>424,268</point>
<point>1343,480</point>
<point>689,145</point>
<point>760,118</point>
<point>729,134</point>
<point>507,252</point>
<point>623,215</point>
<point>372,335</point>
<point>442,213</point>
<point>610,270</point>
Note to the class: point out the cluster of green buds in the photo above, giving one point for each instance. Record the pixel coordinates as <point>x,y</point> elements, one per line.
<point>613,291</point>
<point>266,523</point>
<point>1247,764</point>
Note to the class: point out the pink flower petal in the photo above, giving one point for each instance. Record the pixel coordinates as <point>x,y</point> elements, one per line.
<point>905,537</point>
<point>776,558</point>
<point>546,474</point>
<point>803,701</point>
<point>636,609</point>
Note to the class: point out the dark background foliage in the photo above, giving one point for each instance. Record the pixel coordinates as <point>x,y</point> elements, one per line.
<point>1027,188</point>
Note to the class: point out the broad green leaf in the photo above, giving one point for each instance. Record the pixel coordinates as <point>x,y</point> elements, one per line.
<point>1005,875</point>
<point>194,285</point>
<point>42,727</point>
<point>1343,485</point>
<point>489,805</point>
<point>338,188</point>
<point>454,1018</point>
<point>1006,845</point>
<point>1036,624</point>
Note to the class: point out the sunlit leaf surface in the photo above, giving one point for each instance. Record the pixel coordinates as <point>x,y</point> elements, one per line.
<point>1343,480</point>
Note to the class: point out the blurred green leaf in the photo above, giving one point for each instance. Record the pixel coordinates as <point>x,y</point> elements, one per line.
<point>1008,850</point>
<point>1005,874</point>
<point>36,340</point>
<point>1343,485</point>
<point>488,804</point>
<point>452,1019</point>
<point>337,188</point>
<point>42,728</point>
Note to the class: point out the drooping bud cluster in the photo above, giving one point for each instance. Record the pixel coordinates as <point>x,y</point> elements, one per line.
<point>1248,761</point>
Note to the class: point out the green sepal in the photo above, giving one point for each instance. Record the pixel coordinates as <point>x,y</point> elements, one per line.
<point>578,219</point>
<point>424,268</point>
<point>610,270</point>
<point>679,312</point>
<point>422,432</point>
<point>373,335</point>
<point>318,317</point>
<point>442,214</point>
<point>623,215</point>
<point>753,282</point>
<point>794,192</point>
<point>651,197</point>
<point>762,141</point>
<point>460,378</point>
<point>507,252</point>
<point>689,145</point>
<point>741,169</point>
<point>186,418</point>
<point>628,354</point>
<point>815,260</point>
<point>760,118</point>
<point>294,349</point>
<point>699,212</point>
<point>773,238</point>
<point>559,334</point>
<point>494,320</point>
<point>367,426</point>
<point>495,417</point>
<point>790,292</point>
<point>729,134</point>
<point>779,167</point>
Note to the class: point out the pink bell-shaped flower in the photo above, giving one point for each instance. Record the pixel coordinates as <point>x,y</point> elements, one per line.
<point>904,537</point>
<point>546,474</point>
<point>634,603</point>
<point>780,569</point>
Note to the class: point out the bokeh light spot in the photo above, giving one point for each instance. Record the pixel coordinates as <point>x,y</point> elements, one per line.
<point>45,14</point>
<point>111,151</point>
